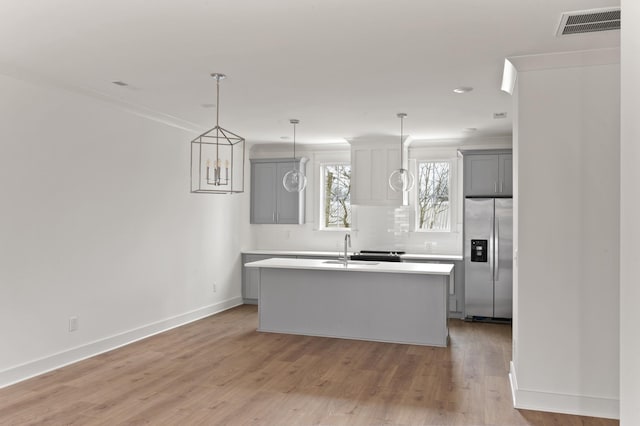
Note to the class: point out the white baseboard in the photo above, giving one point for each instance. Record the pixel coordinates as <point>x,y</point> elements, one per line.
<point>562,403</point>
<point>34,368</point>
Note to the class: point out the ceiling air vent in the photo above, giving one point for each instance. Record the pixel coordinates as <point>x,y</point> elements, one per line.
<point>589,21</point>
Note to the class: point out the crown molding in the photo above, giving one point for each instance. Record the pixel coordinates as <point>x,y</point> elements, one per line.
<point>580,58</point>
<point>31,77</point>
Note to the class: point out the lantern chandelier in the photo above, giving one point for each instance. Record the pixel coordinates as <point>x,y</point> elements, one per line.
<point>217,157</point>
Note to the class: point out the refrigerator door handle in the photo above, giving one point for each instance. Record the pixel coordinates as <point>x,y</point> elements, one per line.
<point>492,241</point>
<point>496,242</point>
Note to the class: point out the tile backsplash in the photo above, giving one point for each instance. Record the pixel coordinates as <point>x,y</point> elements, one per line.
<point>376,228</point>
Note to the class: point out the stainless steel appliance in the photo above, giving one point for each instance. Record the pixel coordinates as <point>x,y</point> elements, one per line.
<point>378,256</point>
<point>488,258</point>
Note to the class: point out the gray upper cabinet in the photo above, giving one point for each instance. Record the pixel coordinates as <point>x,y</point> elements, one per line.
<point>287,203</point>
<point>488,173</point>
<point>506,174</point>
<point>263,187</point>
<point>270,202</point>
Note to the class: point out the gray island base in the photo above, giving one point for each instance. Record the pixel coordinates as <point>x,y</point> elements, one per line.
<point>386,302</point>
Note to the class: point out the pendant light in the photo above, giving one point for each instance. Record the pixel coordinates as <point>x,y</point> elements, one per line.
<point>217,157</point>
<point>294,180</point>
<point>401,180</point>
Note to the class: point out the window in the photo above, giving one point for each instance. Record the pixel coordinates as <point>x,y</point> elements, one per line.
<point>335,205</point>
<point>433,207</point>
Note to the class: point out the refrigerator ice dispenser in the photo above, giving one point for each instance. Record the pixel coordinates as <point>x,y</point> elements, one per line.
<point>478,250</point>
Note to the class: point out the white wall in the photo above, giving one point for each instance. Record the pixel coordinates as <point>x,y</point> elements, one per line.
<point>566,342</point>
<point>374,225</point>
<point>97,222</point>
<point>630,212</point>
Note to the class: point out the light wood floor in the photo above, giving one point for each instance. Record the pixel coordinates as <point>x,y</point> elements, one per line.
<point>221,371</point>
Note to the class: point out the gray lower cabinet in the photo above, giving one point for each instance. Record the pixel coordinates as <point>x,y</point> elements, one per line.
<point>251,280</point>
<point>270,202</point>
<point>251,277</point>
<point>488,173</point>
<point>456,287</point>
<point>381,306</point>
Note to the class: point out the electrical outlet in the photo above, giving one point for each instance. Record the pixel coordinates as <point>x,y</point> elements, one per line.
<point>73,323</point>
<point>215,287</point>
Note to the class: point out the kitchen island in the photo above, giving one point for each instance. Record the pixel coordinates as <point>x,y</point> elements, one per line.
<point>389,302</point>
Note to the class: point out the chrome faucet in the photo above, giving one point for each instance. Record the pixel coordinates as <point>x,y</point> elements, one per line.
<point>347,241</point>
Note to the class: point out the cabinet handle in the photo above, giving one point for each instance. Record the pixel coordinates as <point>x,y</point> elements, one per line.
<point>501,187</point>
<point>495,186</point>
<point>274,217</point>
<point>278,217</point>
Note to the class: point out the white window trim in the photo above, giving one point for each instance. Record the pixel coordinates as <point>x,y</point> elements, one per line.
<point>321,161</point>
<point>454,202</point>
<point>321,191</point>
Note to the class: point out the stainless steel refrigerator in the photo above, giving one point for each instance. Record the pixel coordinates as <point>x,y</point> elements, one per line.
<point>488,257</point>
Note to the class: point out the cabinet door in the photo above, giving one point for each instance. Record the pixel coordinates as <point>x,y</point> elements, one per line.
<point>287,207</point>
<point>481,176</point>
<point>360,176</point>
<point>456,284</point>
<point>251,284</point>
<point>251,277</point>
<point>263,193</point>
<point>371,168</point>
<point>391,163</point>
<point>506,174</point>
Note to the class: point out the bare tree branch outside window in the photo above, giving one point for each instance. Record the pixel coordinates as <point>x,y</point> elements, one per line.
<point>433,196</point>
<point>337,195</point>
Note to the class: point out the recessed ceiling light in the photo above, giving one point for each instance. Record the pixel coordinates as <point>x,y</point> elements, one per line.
<point>497,115</point>
<point>120,83</point>
<point>462,89</point>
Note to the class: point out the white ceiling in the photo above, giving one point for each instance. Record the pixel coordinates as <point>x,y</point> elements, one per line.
<point>343,67</point>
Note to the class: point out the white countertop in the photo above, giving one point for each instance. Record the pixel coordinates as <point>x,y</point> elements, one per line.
<point>416,256</point>
<point>354,266</point>
<point>335,253</point>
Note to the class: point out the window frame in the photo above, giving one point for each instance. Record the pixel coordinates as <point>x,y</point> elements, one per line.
<point>321,196</point>
<point>453,193</point>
